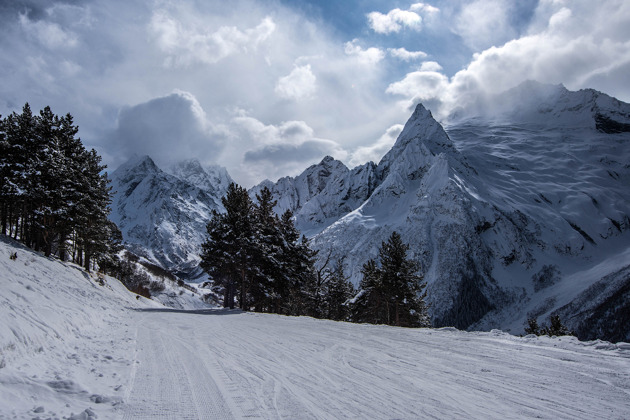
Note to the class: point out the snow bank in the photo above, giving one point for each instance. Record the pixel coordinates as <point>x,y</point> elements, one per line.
<point>55,358</point>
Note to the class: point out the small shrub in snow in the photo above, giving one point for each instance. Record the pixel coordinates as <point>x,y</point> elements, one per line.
<point>556,327</point>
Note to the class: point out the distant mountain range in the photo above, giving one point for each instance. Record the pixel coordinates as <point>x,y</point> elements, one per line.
<point>518,207</point>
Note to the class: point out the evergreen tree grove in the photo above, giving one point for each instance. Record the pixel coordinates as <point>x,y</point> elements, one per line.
<point>257,257</point>
<point>54,195</point>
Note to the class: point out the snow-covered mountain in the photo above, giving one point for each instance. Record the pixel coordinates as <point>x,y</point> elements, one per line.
<point>163,216</point>
<point>516,208</point>
<point>323,193</point>
<point>549,105</point>
<point>504,212</point>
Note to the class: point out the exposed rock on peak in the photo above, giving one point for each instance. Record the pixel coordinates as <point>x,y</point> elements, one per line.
<point>163,217</point>
<point>212,179</point>
<point>322,193</point>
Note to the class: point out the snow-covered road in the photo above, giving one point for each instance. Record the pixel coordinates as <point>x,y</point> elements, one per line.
<point>222,365</point>
<point>78,346</point>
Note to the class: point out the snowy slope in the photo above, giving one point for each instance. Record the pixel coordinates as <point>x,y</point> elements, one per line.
<point>549,105</point>
<point>163,216</point>
<point>505,206</point>
<point>568,190</point>
<point>71,348</point>
<point>66,341</point>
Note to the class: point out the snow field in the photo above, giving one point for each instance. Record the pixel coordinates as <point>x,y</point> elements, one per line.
<point>275,367</point>
<point>71,348</point>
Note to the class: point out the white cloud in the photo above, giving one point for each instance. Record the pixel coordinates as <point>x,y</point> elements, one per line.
<point>394,21</point>
<point>376,151</point>
<point>405,55</point>
<point>186,43</point>
<point>169,129</point>
<point>428,87</point>
<point>118,59</point>
<point>424,7</point>
<point>485,23</point>
<point>430,66</point>
<point>568,42</point>
<point>370,56</point>
<point>299,84</point>
<point>280,150</point>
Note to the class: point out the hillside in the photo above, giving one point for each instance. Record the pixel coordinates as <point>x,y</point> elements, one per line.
<point>66,340</point>
<point>73,348</point>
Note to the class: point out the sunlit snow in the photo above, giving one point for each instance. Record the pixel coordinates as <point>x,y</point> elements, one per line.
<point>73,348</point>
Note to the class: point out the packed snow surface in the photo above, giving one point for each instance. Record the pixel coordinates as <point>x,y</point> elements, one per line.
<point>73,348</point>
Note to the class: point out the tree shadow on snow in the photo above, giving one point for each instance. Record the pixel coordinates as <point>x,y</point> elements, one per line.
<point>192,311</point>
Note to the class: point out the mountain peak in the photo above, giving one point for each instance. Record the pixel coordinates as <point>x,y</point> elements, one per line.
<point>420,131</point>
<point>421,113</point>
<point>189,165</point>
<point>327,160</point>
<point>137,163</point>
<point>214,178</point>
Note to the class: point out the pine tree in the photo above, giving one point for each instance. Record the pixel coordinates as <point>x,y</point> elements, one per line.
<point>217,259</point>
<point>338,292</point>
<point>297,262</point>
<point>93,227</point>
<point>228,252</point>
<point>253,253</point>
<point>269,286</point>
<point>402,284</point>
<point>300,263</point>
<point>368,306</point>
<point>556,327</point>
<point>53,193</point>
<point>532,327</point>
<point>392,293</point>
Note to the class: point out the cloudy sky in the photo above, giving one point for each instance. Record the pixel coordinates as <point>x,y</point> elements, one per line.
<point>268,87</point>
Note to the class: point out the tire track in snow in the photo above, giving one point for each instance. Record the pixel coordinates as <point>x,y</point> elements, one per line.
<point>171,383</point>
<point>245,365</point>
